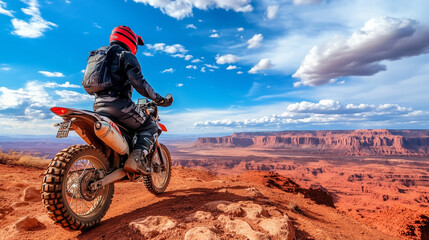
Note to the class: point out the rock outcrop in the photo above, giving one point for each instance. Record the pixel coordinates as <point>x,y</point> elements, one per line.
<point>29,224</point>
<point>152,226</point>
<point>200,233</point>
<point>357,142</point>
<point>274,180</point>
<point>31,194</point>
<point>199,216</point>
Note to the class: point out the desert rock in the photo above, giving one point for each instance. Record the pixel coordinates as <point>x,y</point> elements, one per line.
<point>4,211</point>
<point>223,190</point>
<point>28,224</point>
<point>153,225</point>
<point>212,206</point>
<point>242,228</point>
<point>253,210</point>
<point>278,227</point>
<point>20,204</point>
<point>31,194</point>
<point>200,233</point>
<point>232,209</point>
<point>199,216</point>
<point>243,209</point>
<point>253,192</point>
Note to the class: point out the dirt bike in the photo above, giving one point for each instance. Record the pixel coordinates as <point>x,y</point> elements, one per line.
<point>78,185</point>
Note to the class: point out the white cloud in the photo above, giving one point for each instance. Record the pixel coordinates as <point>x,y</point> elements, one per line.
<point>168,70</point>
<point>36,26</point>
<point>33,93</point>
<point>63,85</point>
<point>174,49</point>
<point>178,55</point>
<point>184,56</point>
<point>239,72</point>
<point>179,85</point>
<point>26,110</point>
<point>171,49</point>
<point>67,1</point>
<point>231,67</point>
<point>4,11</point>
<point>255,41</point>
<point>228,58</point>
<point>211,66</point>
<point>97,26</point>
<point>180,9</point>
<point>305,2</point>
<point>147,54</point>
<point>5,68</point>
<point>381,38</point>
<point>240,29</point>
<point>263,64</point>
<point>214,35</point>
<point>326,112</point>
<point>196,60</point>
<point>51,74</point>
<point>191,67</point>
<point>191,26</point>
<point>323,106</point>
<point>83,71</point>
<point>67,96</point>
<point>299,28</point>
<point>203,69</point>
<point>272,11</point>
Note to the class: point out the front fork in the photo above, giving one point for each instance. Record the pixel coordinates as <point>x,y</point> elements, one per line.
<point>161,158</point>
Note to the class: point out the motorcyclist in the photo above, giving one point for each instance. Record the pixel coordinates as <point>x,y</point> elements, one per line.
<point>116,102</point>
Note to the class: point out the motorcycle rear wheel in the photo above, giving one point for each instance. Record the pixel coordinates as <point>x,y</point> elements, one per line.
<point>158,181</point>
<point>65,195</point>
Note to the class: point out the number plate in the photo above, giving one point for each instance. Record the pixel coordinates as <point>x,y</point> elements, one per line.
<point>63,132</point>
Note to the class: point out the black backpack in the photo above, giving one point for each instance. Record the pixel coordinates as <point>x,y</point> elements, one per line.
<point>97,76</point>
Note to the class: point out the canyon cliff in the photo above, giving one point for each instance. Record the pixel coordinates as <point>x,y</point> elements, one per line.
<point>345,142</point>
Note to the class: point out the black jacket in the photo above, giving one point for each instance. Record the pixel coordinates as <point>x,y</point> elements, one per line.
<point>125,70</point>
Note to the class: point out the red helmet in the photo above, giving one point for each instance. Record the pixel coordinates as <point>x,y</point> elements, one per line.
<point>124,36</point>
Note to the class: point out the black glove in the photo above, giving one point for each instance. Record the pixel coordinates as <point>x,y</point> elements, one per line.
<point>165,102</point>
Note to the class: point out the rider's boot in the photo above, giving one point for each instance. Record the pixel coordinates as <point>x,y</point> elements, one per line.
<point>136,162</point>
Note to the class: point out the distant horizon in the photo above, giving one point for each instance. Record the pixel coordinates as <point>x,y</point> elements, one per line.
<point>74,136</point>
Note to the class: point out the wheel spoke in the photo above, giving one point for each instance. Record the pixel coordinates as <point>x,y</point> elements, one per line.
<point>79,172</point>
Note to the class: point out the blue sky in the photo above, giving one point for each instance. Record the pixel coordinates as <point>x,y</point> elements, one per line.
<point>231,65</point>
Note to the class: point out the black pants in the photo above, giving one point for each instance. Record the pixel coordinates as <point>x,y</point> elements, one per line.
<point>125,112</point>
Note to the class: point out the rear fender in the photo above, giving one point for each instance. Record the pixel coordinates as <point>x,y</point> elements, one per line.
<point>83,124</point>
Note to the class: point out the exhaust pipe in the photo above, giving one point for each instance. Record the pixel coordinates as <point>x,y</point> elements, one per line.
<point>110,136</point>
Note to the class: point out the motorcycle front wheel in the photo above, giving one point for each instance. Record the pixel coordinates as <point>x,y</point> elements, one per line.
<point>66,191</point>
<point>157,181</point>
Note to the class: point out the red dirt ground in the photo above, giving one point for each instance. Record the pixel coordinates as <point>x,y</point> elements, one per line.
<point>189,190</point>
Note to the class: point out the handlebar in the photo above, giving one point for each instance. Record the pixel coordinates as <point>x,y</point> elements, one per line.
<point>151,107</point>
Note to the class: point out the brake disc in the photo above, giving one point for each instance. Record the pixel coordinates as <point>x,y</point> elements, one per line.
<point>86,191</point>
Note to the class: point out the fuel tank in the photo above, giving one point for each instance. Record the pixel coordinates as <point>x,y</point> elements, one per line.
<point>111,137</point>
